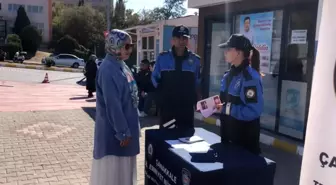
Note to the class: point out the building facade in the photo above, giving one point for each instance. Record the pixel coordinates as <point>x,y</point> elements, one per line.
<point>38,11</point>
<point>285,33</point>
<point>154,38</point>
<point>93,3</point>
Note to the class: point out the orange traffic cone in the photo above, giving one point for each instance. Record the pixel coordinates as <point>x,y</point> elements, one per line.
<point>46,79</point>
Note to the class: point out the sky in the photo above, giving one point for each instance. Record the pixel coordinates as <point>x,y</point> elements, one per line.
<point>137,5</point>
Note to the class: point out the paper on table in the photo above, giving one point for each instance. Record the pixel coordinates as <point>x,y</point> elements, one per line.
<point>199,147</point>
<point>192,139</point>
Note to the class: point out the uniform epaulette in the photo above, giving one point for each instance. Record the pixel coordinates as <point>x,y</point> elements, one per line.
<point>164,52</point>
<point>197,56</point>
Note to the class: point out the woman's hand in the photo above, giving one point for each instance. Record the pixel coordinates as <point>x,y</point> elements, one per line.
<point>125,142</point>
<point>219,107</point>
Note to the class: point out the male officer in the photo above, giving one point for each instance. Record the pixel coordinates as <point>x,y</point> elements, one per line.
<point>176,76</point>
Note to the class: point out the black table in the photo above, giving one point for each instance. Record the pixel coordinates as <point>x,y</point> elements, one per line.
<point>170,162</point>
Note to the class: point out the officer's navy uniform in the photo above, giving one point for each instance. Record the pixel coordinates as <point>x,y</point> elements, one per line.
<point>176,79</point>
<point>242,97</point>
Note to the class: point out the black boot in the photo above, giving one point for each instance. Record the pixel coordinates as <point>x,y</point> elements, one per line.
<point>90,94</point>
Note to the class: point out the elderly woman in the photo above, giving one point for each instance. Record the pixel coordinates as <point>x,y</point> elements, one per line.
<point>116,137</point>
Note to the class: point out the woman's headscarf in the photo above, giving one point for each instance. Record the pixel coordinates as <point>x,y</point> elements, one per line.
<point>115,40</point>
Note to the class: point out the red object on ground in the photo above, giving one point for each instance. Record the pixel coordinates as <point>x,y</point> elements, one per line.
<point>46,79</point>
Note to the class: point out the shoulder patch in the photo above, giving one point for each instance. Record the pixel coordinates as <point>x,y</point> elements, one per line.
<point>164,52</point>
<point>251,94</point>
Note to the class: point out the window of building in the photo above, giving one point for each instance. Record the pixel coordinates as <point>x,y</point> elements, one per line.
<point>220,33</point>
<point>148,48</point>
<point>14,7</point>
<point>35,9</point>
<point>0,6</point>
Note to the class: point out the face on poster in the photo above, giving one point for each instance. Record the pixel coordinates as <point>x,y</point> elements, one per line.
<point>258,29</point>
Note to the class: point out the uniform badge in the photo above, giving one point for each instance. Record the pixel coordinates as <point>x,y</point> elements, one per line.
<point>250,93</point>
<point>191,62</point>
<point>182,29</point>
<point>150,150</point>
<point>186,177</point>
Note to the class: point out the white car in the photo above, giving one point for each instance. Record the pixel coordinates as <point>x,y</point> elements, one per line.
<point>67,60</point>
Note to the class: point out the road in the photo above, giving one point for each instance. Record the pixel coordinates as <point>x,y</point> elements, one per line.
<point>37,76</point>
<point>46,132</point>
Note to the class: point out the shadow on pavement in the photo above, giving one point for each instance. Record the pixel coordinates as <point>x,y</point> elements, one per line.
<point>65,79</point>
<point>91,100</point>
<point>79,98</point>
<point>91,111</point>
<point>144,122</point>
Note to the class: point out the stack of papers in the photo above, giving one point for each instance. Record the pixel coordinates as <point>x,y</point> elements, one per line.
<point>195,147</point>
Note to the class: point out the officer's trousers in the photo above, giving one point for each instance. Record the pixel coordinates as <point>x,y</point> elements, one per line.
<point>184,116</point>
<point>241,133</point>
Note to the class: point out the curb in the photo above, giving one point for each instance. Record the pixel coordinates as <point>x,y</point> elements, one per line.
<point>264,139</point>
<point>41,67</point>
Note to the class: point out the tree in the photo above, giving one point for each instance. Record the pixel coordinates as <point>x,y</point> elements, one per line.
<point>81,3</point>
<point>66,44</point>
<point>131,18</point>
<point>119,14</point>
<point>31,39</point>
<point>146,17</point>
<point>84,24</point>
<point>170,9</point>
<point>21,21</point>
<point>13,38</point>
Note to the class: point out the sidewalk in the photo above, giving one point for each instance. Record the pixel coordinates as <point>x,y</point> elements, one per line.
<point>265,137</point>
<point>39,67</point>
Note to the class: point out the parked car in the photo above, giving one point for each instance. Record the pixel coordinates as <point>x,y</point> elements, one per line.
<point>67,60</point>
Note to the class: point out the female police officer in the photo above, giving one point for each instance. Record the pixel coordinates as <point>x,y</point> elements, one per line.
<point>242,96</point>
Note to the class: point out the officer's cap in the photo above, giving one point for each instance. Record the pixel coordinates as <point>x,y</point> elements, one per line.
<point>237,41</point>
<point>181,31</point>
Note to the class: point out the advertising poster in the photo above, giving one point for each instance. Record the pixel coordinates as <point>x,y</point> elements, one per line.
<point>258,28</point>
<point>292,108</point>
<point>319,156</point>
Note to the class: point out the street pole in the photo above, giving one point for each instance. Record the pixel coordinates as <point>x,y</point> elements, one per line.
<point>108,14</point>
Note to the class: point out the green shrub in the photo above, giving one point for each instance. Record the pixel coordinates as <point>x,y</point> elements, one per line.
<point>81,54</point>
<point>66,44</point>
<point>31,39</point>
<point>13,38</point>
<point>49,62</point>
<point>11,49</point>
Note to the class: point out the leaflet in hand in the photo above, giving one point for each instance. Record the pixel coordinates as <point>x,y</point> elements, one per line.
<point>208,106</point>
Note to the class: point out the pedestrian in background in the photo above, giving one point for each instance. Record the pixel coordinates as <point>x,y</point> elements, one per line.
<point>90,74</point>
<point>116,136</point>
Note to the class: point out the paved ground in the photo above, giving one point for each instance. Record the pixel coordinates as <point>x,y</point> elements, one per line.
<point>37,76</point>
<point>18,96</point>
<point>55,147</point>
